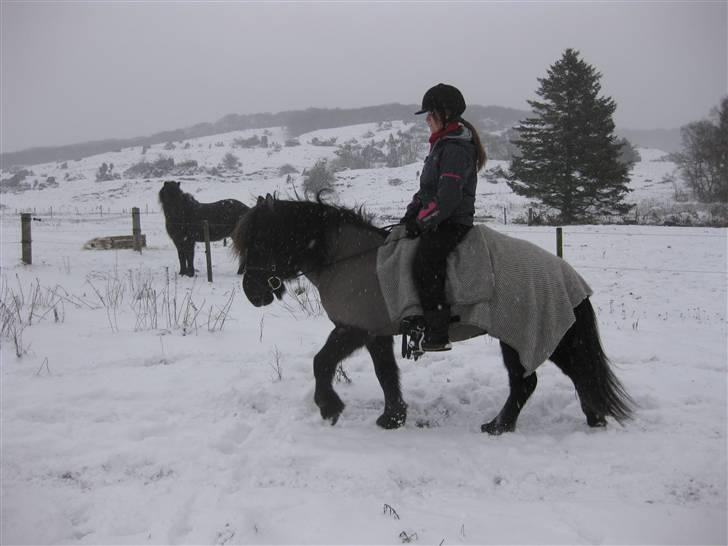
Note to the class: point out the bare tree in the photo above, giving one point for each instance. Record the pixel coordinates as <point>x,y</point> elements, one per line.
<point>703,161</point>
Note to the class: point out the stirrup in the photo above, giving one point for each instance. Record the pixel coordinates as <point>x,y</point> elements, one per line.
<point>413,333</point>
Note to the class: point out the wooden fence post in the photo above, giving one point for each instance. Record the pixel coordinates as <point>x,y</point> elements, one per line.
<point>208,255</point>
<point>136,229</point>
<point>530,216</point>
<point>505,217</point>
<point>27,250</point>
<point>559,242</point>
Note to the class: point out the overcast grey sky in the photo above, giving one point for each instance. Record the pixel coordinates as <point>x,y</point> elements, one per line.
<point>79,71</point>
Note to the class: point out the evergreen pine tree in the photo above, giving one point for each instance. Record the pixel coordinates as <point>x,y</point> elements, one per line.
<point>568,155</point>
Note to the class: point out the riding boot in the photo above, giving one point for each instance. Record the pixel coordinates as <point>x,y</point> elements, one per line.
<point>436,334</point>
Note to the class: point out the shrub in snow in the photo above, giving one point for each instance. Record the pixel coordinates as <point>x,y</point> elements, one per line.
<point>283,170</point>
<point>230,162</point>
<point>162,166</point>
<point>315,141</point>
<point>16,182</point>
<point>105,173</point>
<point>318,178</point>
<point>252,142</point>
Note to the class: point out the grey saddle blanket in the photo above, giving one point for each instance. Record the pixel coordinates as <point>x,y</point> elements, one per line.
<point>510,288</point>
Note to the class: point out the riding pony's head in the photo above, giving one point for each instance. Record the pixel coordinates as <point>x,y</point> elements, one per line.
<point>278,240</point>
<point>266,242</point>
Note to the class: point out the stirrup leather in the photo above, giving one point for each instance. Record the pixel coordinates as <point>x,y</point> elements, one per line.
<point>413,333</point>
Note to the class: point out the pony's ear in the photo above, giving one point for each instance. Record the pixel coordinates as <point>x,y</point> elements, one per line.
<point>269,200</point>
<point>178,183</point>
<point>260,201</point>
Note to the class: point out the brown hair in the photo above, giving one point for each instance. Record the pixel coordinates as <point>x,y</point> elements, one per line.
<point>482,157</point>
<point>480,151</point>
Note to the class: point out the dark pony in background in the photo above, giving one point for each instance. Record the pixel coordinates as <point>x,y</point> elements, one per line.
<point>184,217</point>
<point>336,249</point>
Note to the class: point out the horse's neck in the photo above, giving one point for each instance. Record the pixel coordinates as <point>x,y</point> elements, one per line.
<point>353,241</point>
<point>180,206</point>
<point>345,243</point>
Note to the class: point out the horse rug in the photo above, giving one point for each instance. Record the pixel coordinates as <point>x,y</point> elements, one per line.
<point>506,287</point>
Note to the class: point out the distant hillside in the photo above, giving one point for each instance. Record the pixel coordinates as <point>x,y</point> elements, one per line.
<point>491,118</point>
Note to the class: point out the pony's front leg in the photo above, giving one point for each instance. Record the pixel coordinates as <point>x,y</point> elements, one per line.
<point>191,258</point>
<point>385,366</point>
<point>182,258</point>
<point>341,343</point>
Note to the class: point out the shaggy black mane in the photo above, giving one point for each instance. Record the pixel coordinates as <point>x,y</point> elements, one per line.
<point>304,223</point>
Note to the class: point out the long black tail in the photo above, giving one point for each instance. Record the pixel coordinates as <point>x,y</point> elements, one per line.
<point>581,353</point>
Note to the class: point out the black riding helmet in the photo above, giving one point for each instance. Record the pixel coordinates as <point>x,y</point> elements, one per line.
<point>444,99</point>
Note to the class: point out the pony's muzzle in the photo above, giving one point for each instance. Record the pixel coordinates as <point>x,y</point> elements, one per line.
<point>258,291</point>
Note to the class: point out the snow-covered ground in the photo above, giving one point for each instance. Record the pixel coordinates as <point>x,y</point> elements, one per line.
<point>151,409</point>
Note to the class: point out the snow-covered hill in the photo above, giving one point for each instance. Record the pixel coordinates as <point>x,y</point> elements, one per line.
<point>71,186</point>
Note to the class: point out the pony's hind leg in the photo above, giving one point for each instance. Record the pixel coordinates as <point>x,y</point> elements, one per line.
<point>341,343</point>
<point>520,390</point>
<point>581,357</point>
<point>385,366</point>
<point>567,357</point>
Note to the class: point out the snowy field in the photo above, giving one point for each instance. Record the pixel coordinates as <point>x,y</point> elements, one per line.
<point>150,409</point>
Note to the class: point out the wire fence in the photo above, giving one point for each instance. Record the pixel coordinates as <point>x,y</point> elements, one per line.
<point>56,227</point>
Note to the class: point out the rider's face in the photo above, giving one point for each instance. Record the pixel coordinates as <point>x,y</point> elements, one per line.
<point>433,122</point>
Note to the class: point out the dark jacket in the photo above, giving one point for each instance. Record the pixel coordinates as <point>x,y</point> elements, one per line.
<point>448,181</point>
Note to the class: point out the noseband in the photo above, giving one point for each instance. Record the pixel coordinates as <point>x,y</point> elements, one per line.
<point>273,281</point>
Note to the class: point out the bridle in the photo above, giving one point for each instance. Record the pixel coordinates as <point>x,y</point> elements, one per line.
<point>273,281</point>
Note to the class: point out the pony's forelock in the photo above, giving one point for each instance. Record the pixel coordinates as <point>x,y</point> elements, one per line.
<point>243,231</point>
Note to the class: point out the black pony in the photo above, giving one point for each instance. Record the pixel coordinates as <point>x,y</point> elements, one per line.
<point>336,249</point>
<point>184,217</point>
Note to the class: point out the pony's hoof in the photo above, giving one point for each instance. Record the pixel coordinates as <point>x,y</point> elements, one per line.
<point>496,429</point>
<point>596,422</point>
<point>332,412</point>
<point>391,421</point>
